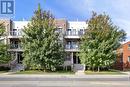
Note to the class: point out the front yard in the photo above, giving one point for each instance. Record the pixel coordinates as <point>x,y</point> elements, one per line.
<point>42,72</point>
<point>88,72</point>
<point>109,72</point>
<point>63,72</point>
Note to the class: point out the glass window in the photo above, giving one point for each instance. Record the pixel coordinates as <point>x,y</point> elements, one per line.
<point>74,32</point>
<point>128,46</point>
<point>81,32</point>
<point>68,44</point>
<point>68,31</point>
<point>14,32</point>
<point>128,58</point>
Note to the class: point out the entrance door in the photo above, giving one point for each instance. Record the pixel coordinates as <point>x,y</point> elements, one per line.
<point>76,59</point>
<point>77,66</point>
<point>20,57</point>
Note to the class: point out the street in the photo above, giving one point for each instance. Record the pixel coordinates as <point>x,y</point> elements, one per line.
<point>64,81</point>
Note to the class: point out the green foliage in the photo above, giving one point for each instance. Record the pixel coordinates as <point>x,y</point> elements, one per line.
<point>4,56</point>
<point>42,48</point>
<point>100,41</point>
<point>2,29</point>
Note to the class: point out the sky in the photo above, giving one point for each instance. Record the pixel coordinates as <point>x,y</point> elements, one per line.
<point>118,10</point>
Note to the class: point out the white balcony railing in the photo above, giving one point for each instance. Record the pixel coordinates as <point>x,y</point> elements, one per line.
<point>74,33</point>
<point>15,46</point>
<point>69,47</point>
<point>16,33</point>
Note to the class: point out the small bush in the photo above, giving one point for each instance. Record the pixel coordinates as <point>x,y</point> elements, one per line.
<point>2,68</point>
<point>68,68</point>
<point>59,68</point>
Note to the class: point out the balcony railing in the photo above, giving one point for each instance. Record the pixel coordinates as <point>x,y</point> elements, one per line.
<point>16,33</point>
<point>15,46</point>
<point>69,47</point>
<point>74,33</point>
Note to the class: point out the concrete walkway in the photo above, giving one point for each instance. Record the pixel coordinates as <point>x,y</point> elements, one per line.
<point>128,72</point>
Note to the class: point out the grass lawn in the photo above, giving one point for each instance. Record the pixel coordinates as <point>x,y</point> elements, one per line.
<point>109,72</point>
<point>41,72</point>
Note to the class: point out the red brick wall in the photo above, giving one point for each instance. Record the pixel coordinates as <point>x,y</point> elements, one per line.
<point>61,23</point>
<point>126,53</point>
<point>119,62</point>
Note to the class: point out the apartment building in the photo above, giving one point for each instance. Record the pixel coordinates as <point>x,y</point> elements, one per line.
<point>123,57</point>
<point>72,38</point>
<point>70,33</point>
<point>13,35</point>
<point>14,41</point>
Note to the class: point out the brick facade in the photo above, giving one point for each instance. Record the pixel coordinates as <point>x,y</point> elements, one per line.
<point>123,54</point>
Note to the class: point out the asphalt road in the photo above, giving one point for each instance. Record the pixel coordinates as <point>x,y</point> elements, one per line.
<point>63,81</point>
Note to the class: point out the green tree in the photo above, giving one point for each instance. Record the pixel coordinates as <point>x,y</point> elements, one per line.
<point>100,41</point>
<point>41,44</point>
<point>4,57</point>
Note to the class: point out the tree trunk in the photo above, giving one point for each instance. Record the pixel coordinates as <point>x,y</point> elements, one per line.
<point>98,68</point>
<point>93,68</point>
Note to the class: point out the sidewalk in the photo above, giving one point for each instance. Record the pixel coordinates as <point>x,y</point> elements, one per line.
<point>128,73</point>
<point>11,74</point>
<point>63,76</point>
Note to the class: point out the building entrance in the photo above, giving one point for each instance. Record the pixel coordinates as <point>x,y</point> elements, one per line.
<point>20,57</point>
<point>76,59</point>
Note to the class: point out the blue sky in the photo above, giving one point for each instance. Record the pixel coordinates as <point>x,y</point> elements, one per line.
<point>119,10</point>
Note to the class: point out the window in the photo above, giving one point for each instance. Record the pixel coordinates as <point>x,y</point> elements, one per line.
<point>121,57</point>
<point>14,32</point>
<point>128,58</point>
<point>68,31</point>
<point>81,31</point>
<point>74,32</point>
<point>68,44</point>
<point>14,44</point>
<point>128,46</point>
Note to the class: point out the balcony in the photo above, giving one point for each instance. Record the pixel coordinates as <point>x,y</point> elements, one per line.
<point>72,48</point>
<point>15,34</point>
<point>73,34</point>
<point>15,47</point>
